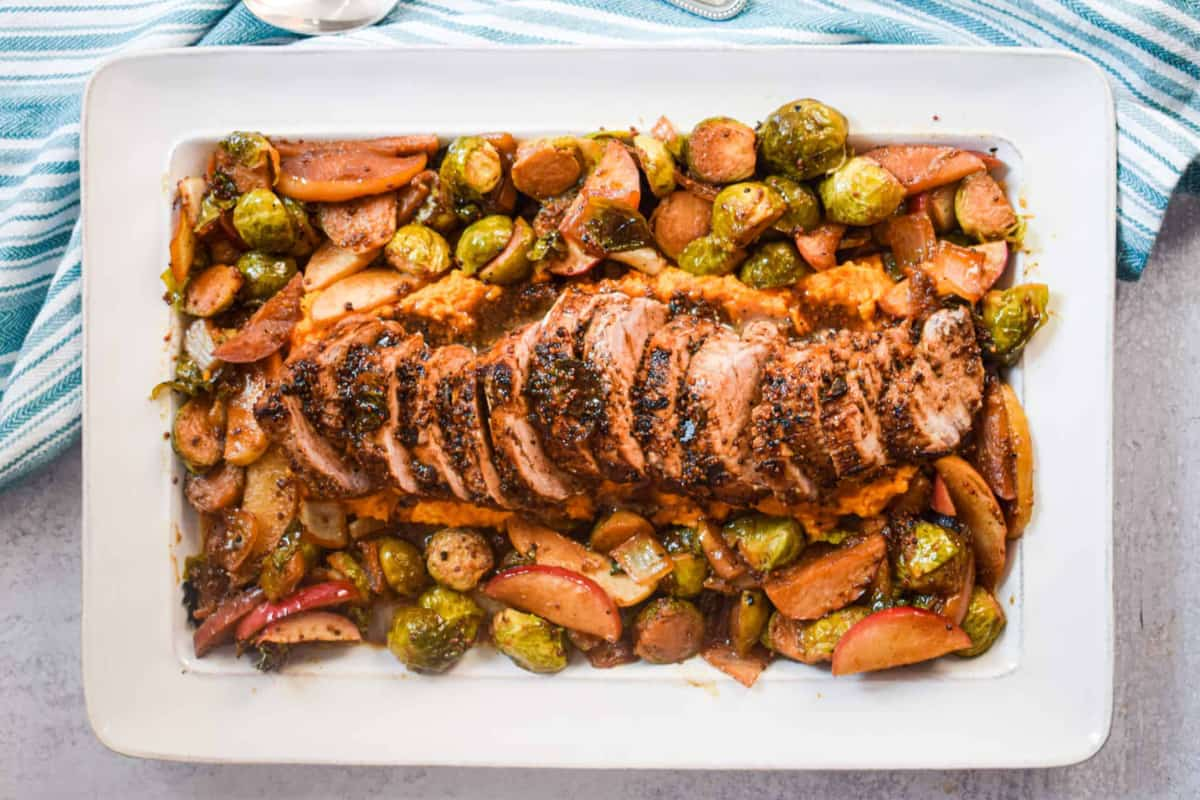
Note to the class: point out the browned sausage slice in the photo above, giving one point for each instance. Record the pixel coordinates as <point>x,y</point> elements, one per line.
<point>819,246</point>
<point>219,488</point>
<point>680,218</point>
<point>668,631</point>
<point>268,329</point>
<point>814,586</point>
<point>360,225</point>
<point>212,291</point>
<point>545,168</point>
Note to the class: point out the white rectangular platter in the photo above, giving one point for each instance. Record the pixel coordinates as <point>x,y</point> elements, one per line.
<point>1041,697</point>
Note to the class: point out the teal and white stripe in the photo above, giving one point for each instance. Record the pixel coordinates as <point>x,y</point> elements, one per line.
<point>1150,50</point>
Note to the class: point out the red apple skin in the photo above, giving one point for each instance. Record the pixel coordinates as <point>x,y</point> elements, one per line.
<point>896,637</point>
<point>941,501</point>
<point>565,598</point>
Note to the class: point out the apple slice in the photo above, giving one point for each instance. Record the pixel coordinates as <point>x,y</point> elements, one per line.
<point>552,549</point>
<point>955,607</point>
<point>920,167</point>
<point>896,637</point>
<point>565,598</point>
<point>308,598</point>
<point>311,626</point>
<point>814,586</point>
<point>940,501</point>
<point>1021,510</point>
<point>977,507</point>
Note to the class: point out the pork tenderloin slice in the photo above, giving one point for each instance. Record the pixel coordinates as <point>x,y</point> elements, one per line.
<point>465,439</point>
<point>613,347</point>
<point>661,379</point>
<point>432,466</point>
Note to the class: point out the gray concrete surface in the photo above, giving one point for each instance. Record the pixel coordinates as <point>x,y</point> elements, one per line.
<point>47,749</point>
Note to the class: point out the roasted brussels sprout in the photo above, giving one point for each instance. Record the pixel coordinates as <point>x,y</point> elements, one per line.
<point>530,641</point>
<point>984,621</point>
<point>668,630</point>
<point>803,139</point>
<point>403,567</point>
<point>657,163</point>
<point>307,238</point>
<point>423,641</point>
<point>803,209</point>
<point>711,255</point>
<point>860,192</point>
<point>721,150</point>
<point>613,228</point>
<point>453,607</point>
<point>263,222</point>
<point>418,249</point>
<point>348,565</point>
<point>744,210</point>
<point>512,264</point>
<point>248,148</point>
<point>811,642</point>
<point>747,620</point>
<point>458,558</point>
<point>265,274</point>
<point>929,558</point>
<point>982,209</point>
<point>773,264</point>
<point>285,566</point>
<point>1011,317</point>
<point>765,543</point>
<point>482,241</point>
<point>437,210</point>
<point>691,567</point>
<point>471,169</point>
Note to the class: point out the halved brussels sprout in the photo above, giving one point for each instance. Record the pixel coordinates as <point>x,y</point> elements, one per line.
<point>512,264</point>
<point>861,192</point>
<point>285,566</point>
<point>982,209</point>
<point>248,148</point>
<point>613,228</point>
<point>983,623</point>
<point>482,241</point>
<point>711,255</point>
<point>657,163</point>
<point>199,432</point>
<point>437,210</point>
<point>453,607</point>
<point>530,641</point>
<point>418,249</point>
<point>773,264</point>
<point>265,274</point>
<point>471,169</point>
<point>765,543</point>
<point>424,641</point>
<point>811,642</point>
<point>458,558</point>
<point>263,222</point>
<point>691,567</point>
<point>803,208</point>
<point>744,210</point>
<point>929,558</point>
<point>803,139</point>
<point>1011,317</point>
<point>348,565</point>
<point>307,238</point>
<point>403,567</point>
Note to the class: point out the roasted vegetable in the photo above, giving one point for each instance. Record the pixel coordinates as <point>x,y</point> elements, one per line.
<point>482,241</point>
<point>403,566</point>
<point>617,527</point>
<point>765,543</point>
<point>324,523</point>
<point>811,642</point>
<point>772,265</point>
<point>1011,317</point>
<point>286,564</point>
<point>929,558</point>
<point>530,641</point>
<point>747,620</point>
<point>263,222</point>
<point>425,642</point>
<point>418,249</point>
<point>643,559</point>
<point>265,274</point>
<point>803,139</point>
<point>721,150</point>
<point>982,209</point>
<point>860,192</point>
<point>711,255</point>
<point>351,570</point>
<point>458,558</point>
<point>471,169</point>
<point>668,630</point>
<point>690,569</point>
<point>983,623</point>
<point>744,210</point>
<point>512,264</point>
<point>307,237</point>
<point>657,164</point>
<point>803,209</point>
<point>613,228</point>
<point>198,434</point>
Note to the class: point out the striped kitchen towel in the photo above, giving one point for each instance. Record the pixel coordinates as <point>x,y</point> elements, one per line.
<point>1150,49</point>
